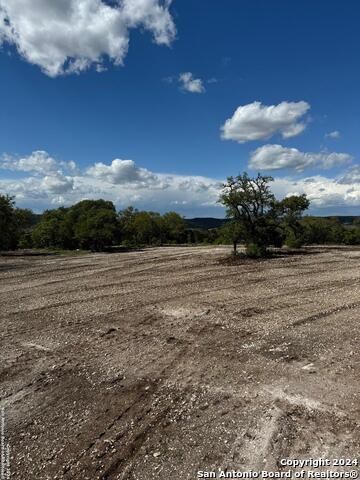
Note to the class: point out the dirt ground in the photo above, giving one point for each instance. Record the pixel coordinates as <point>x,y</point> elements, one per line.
<point>161,363</point>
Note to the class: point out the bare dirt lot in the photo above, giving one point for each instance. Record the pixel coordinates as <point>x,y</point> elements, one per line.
<point>161,363</point>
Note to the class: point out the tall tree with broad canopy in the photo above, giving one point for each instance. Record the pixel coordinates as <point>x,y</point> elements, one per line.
<point>261,218</point>
<point>95,224</point>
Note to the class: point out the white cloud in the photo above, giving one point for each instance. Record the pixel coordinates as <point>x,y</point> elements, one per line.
<point>69,36</point>
<point>258,122</point>
<point>57,183</point>
<point>25,190</point>
<point>275,157</point>
<point>169,190</point>
<point>38,162</point>
<point>125,183</point>
<point>121,181</point>
<point>351,176</point>
<point>323,192</point>
<point>191,84</point>
<point>48,173</point>
<point>123,172</point>
<point>334,135</point>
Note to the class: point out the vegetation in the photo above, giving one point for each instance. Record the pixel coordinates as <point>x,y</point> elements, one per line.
<point>150,228</point>
<point>255,218</point>
<point>7,223</point>
<point>95,225</point>
<point>232,233</point>
<point>290,211</point>
<point>15,223</point>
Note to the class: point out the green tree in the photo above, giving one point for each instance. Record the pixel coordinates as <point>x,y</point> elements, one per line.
<point>322,231</point>
<point>351,236</point>
<point>147,227</point>
<point>53,230</point>
<point>250,202</point>
<point>173,227</point>
<point>126,224</point>
<point>8,223</point>
<point>261,219</point>
<point>291,210</point>
<point>96,229</point>
<point>25,220</point>
<point>95,224</point>
<point>233,232</point>
<point>89,224</point>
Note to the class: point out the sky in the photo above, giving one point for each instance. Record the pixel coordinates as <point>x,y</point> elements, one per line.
<point>154,103</point>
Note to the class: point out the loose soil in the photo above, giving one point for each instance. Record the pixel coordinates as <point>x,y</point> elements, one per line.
<point>159,363</point>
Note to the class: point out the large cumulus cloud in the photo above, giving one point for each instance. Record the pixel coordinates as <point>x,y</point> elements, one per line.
<point>256,121</point>
<point>68,36</point>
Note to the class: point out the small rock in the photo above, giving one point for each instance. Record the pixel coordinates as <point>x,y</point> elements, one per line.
<point>310,368</point>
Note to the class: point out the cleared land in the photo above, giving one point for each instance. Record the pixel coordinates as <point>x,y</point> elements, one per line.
<point>160,363</point>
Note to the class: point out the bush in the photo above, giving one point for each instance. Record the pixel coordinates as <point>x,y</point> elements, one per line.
<point>255,251</point>
<point>293,241</point>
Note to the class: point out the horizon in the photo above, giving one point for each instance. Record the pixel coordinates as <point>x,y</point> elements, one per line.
<point>160,101</point>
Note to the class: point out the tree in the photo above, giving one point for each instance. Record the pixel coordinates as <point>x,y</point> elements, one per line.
<point>96,229</point>
<point>25,220</point>
<point>233,232</point>
<point>290,210</point>
<point>89,224</point>
<point>126,223</point>
<point>323,230</point>
<point>147,227</point>
<point>250,202</point>
<point>8,223</point>
<point>173,227</point>
<point>150,228</point>
<point>53,230</point>
<point>261,220</point>
<point>95,224</point>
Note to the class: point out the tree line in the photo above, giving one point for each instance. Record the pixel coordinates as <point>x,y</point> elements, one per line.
<point>89,224</point>
<point>254,218</point>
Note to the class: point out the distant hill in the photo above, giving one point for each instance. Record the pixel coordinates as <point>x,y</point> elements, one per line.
<point>344,219</point>
<point>207,223</point>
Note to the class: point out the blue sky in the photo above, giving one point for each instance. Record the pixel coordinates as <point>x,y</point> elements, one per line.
<point>66,98</point>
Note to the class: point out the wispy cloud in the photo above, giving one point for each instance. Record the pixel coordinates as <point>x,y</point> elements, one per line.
<point>191,84</point>
<point>334,135</point>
